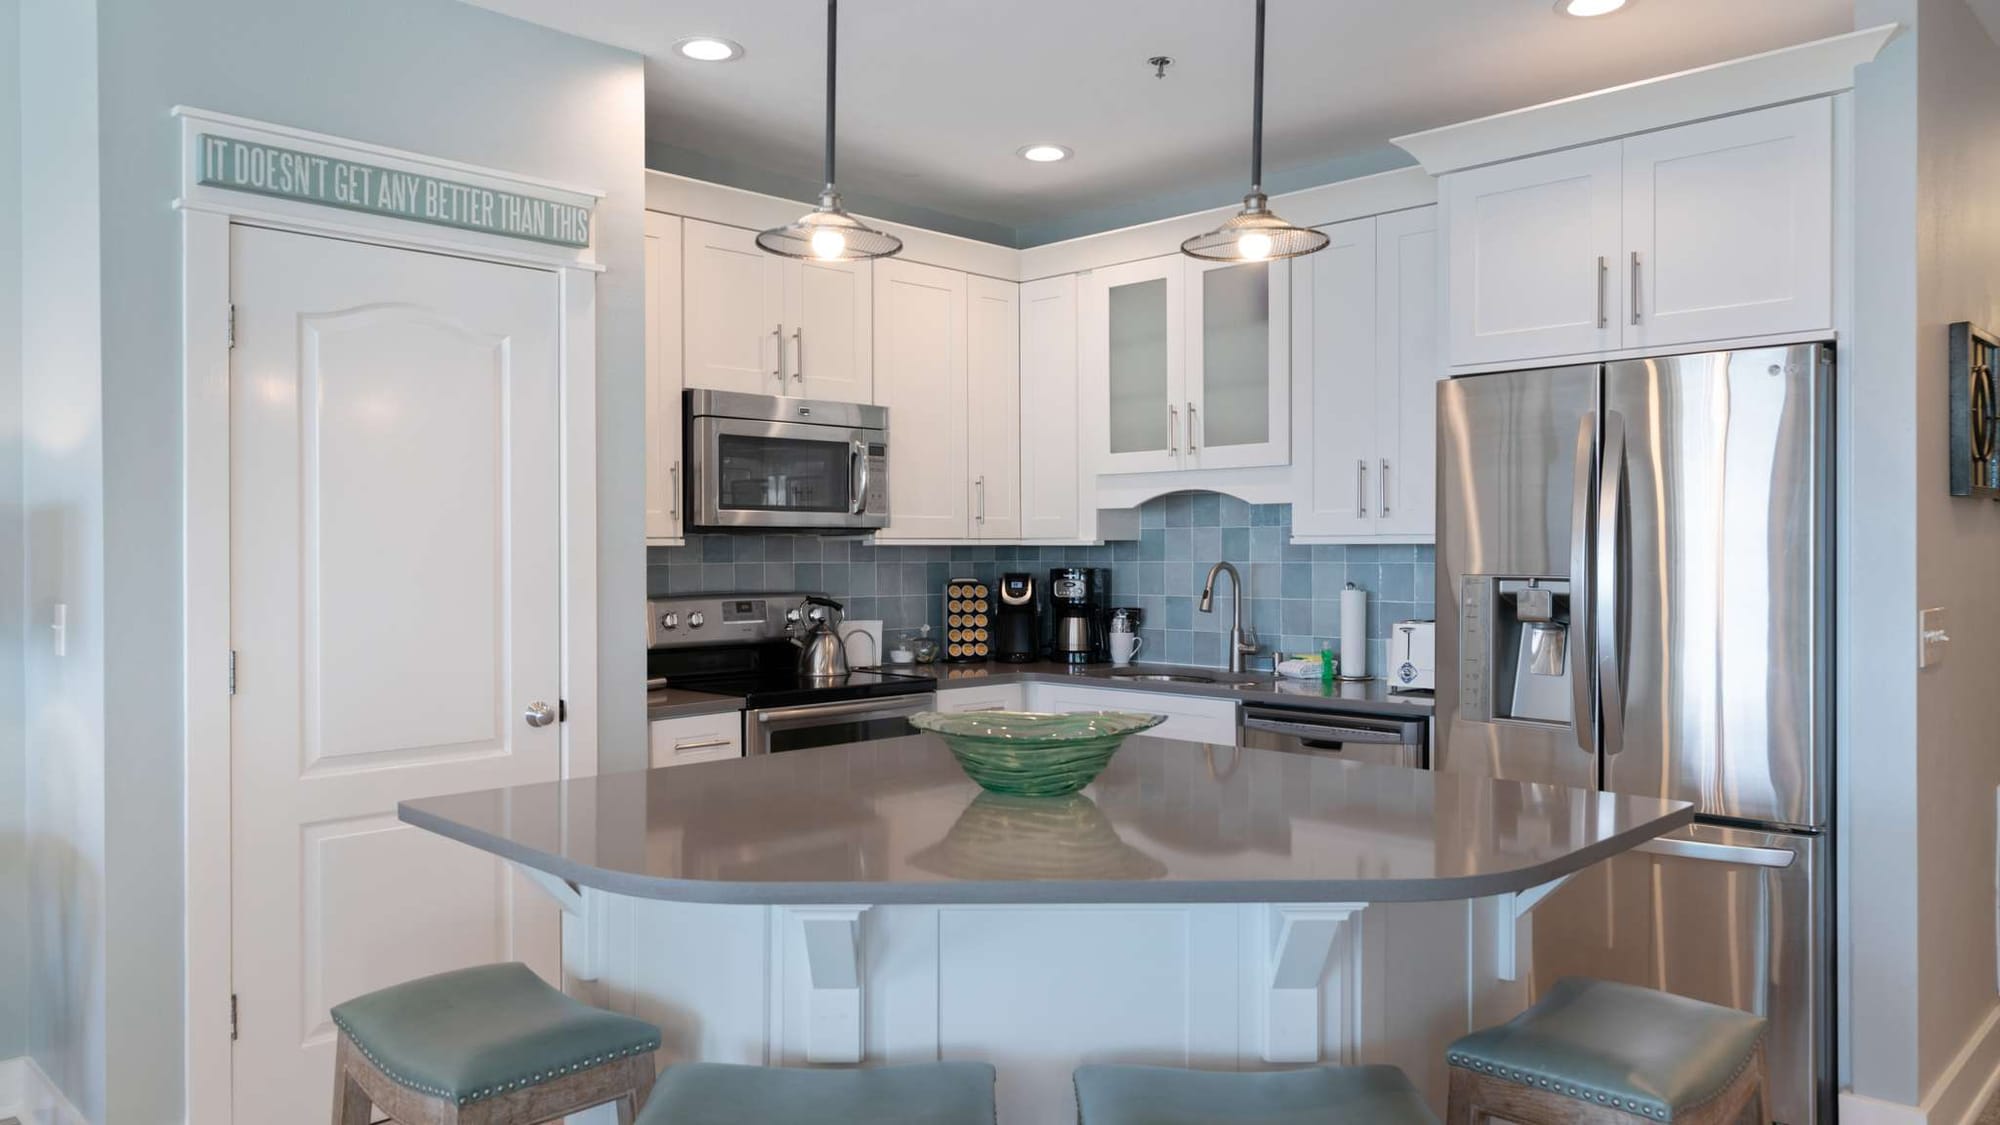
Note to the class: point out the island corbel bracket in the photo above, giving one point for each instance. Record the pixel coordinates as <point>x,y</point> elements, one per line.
<point>583,928</point>
<point>1305,939</point>
<point>831,937</point>
<point>1513,908</point>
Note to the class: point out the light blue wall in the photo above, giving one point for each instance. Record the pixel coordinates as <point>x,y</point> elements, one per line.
<point>13,775</point>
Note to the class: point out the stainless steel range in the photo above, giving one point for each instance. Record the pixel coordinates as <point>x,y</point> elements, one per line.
<point>739,644</point>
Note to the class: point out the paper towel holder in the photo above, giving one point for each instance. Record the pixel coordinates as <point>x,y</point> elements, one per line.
<point>1347,667</point>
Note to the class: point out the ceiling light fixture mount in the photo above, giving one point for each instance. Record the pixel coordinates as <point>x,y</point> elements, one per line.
<point>1160,63</point>
<point>1585,9</point>
<point>1044,153</point>
<point>827,232</point>
<point>1255,234</point>
<point>709,48</point>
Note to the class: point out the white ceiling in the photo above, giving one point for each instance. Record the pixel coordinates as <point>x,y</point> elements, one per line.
<point>936,95</point>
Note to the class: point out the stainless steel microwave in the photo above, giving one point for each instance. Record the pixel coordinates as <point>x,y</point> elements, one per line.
<point>759,462</point>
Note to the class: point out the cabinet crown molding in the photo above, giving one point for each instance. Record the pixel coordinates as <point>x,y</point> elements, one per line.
<point>1808,70</point>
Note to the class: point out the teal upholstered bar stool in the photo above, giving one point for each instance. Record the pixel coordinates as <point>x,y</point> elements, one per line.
<point>492,1045</point>
<point>1611,1054</point>
<point>1324,1095</point>
<point>944,1093</point>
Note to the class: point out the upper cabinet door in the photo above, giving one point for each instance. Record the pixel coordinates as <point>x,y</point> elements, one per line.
<point>920,375</point>
<point>1409,367</point>
<point>1728,227</point>
<point>1237,408</point>
<point>1533,255</point>
<point>663,378</point>
<point>1136,357</point>
<point>735,310</point>
<point>1051,469</point>
<point>993,416</point>
<point>829,330</point>
<point>1337,383</point>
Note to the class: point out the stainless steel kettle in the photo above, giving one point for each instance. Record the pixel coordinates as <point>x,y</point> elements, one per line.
<point>815,628</point>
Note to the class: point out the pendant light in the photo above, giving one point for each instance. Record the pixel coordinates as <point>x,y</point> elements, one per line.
<point>828,233</point>
<point>1254,234</point>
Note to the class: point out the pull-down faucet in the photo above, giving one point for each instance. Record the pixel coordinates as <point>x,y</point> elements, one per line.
<point>1242,642</point>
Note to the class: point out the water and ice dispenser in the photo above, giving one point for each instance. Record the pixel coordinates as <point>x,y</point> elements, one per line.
<point>1516,652</point>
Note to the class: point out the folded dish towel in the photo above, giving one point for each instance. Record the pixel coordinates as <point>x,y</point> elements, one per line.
<point>1300,668</point>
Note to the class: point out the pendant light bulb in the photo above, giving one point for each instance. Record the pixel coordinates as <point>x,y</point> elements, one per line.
<point>828,232</point>
<point>1255,234</point>
<point>828,244</point>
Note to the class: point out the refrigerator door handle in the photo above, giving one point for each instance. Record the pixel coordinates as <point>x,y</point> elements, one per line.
<point>1608,632</point>
<point>1582,545</point>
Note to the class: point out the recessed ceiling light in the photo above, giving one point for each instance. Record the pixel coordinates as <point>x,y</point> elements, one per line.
<point>1586,8</point>
<point>709,48</point>
<point>1045,154</point>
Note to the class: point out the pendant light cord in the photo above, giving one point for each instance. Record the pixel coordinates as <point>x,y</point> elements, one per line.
<point>1256,113</point>
<point>832,25</point>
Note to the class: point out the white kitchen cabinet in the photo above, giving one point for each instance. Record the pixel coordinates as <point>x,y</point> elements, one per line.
<point>1728,227</point>
<point>1366,382</point>
<point>993,403</point>
<point>1531,249</point>
<point>663,380</point>
<point>1190,718</point>
<point>1051,469</point>
<point>1192,364</point>
<point>696,738</point>
<point>920,375</point>
<point>985,697</point>
<point>1719,230</point>
<point>762,324</point>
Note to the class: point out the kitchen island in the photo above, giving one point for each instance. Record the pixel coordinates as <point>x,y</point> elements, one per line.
<point>1196,905</point>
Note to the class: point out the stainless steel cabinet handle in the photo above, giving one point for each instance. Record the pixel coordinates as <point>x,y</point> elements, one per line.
<point>1173,429</point>
<point>701,743</point>
<point>1603,268</point>
<point>1361,488</point>
<point>1382,487</point>
<point>1635,287</point>
<point>799,355</point>
<point>540,714</point>
<point>778,342</point>
<point>980,486</point>
<point>1581,559</point>
<point>1608,616</point>
<point>1191,428</point>
<point>674,492</point>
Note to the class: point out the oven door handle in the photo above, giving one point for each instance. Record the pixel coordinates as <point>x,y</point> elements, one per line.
<point>870,708</point>
<point>1327,732</point>
<point>857,463</point>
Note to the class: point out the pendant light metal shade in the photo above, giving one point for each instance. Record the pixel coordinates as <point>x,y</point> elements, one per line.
<point>828,233</point>
<point>1255,234</point>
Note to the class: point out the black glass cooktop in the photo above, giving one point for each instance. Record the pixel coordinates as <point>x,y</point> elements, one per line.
<point>766,675</point>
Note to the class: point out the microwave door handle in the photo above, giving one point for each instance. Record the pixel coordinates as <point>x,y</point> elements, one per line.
<point>1580,605</point>
<point>1608,624</point>
<point>857,475</point>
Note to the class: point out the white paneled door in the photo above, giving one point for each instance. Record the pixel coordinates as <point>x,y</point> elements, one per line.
<point>395,613</point>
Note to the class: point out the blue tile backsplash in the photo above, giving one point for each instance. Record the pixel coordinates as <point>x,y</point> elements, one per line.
<point>1294,602</point>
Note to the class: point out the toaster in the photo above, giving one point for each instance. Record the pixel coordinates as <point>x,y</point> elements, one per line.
<point>1413,656</point>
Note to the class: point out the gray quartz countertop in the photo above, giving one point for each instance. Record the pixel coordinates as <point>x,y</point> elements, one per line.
<point>896,821</point>
<point>1371,697</point>
<point>677,703</point>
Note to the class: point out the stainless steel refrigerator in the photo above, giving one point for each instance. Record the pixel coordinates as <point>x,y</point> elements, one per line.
<point>1633,592</point>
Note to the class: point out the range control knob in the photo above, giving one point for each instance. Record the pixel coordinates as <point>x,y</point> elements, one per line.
<point>695,620</point>
<point>670,621</point>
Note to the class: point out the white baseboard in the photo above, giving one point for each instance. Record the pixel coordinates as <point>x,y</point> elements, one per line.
<point>26,1093</point>
<point>1955,1098</point>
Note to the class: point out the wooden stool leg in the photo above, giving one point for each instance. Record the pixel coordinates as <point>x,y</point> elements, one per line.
<point>350,1104</point>
<point>1458,1103</point>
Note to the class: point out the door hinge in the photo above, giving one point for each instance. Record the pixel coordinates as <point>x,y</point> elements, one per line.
<point>232,671</point>
<point>232,1017</point>
<point>562,710</point>
<point>232,325</point>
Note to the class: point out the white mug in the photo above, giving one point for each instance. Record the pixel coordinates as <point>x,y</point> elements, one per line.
<point>1125,646</point>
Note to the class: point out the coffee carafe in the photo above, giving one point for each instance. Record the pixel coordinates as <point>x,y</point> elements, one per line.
<point>1076,609</point>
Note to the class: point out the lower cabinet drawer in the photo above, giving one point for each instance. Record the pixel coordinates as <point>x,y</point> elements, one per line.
<point>998,697</point>
<point>697,738</point>
<point>1189,718</point>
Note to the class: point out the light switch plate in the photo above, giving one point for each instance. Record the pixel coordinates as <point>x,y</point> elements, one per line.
<point>1931,639</point>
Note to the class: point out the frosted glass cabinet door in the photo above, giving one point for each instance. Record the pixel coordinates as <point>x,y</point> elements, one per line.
<point>1143,359</point>
<point>1237,412</point>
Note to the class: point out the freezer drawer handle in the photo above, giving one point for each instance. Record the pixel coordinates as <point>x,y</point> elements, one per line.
<point>1710,852</point>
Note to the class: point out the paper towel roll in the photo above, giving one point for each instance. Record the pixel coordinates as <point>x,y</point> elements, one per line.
<point>1353,633</point>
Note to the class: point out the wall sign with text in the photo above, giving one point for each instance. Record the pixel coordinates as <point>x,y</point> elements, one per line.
<point>287,173</point>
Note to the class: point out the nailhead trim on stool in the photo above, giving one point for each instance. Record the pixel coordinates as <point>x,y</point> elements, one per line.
<point>521,1083</point>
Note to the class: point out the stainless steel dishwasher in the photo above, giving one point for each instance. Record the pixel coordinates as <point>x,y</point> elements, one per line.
<point>1381,739</point>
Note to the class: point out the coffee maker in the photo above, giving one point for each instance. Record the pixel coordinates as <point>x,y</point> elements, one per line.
<point>1017,621</point>
<point>1077,595</point>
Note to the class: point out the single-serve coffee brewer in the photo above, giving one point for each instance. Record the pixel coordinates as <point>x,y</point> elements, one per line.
<point>1076,614</point>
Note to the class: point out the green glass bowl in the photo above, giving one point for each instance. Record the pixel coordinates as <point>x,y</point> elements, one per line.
<point>1034,755</point>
